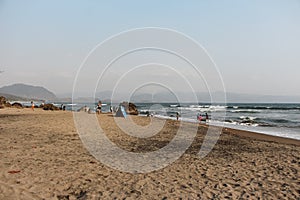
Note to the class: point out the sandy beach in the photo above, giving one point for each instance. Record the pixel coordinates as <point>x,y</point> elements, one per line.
<point>42,157</point>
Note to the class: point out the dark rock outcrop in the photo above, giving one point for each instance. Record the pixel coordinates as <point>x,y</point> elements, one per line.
<point>130,108</point>
<point>49,106</point>
<point>17,105</point>
<point>4,103</point>
<point>2,100</point>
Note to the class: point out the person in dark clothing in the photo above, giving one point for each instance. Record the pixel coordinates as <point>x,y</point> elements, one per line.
<point>206,117</point>
<point>177,116</point>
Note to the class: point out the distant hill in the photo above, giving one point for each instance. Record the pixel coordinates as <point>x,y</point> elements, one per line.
<point>167,97</point>
<point>203,97</point>
<point>28,92</point>
<point>10,97</point>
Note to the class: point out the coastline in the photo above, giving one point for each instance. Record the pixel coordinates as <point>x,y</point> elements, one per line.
<point>246,133</point>
<point>262,136</point>
<point>43,157</point>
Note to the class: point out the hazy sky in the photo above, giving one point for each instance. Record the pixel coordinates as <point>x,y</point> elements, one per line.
<point>255,44</point>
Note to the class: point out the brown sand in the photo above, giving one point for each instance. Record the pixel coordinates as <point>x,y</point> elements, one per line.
<point>42,157</point>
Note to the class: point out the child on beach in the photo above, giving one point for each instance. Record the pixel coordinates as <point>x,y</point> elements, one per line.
<point>32,105</point>
<point>199,117</point>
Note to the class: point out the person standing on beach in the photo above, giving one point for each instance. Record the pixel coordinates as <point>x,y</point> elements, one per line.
<point>32,105</point>
<point>63,107</point>
<point>206,117</point>
<point>199,117</point>
<point>177,116</point>
<point>98,109</point>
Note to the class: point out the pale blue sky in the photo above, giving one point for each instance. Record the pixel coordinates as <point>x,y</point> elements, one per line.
<point>256,44</point>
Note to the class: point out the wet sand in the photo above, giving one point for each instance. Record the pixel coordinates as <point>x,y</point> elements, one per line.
<point>42,157</point>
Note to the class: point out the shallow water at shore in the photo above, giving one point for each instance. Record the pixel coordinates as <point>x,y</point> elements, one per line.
<point>272,119</point>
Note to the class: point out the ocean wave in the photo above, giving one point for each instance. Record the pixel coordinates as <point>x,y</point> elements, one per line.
<point>245,111</point>
<point>71,104</point>
<point>247,118</point>
<point>174,105</point>
<point>269,107</point>
<point>284,108</point>
<point>250,121</point>
<point>205,108</point>
<point>281,121</point>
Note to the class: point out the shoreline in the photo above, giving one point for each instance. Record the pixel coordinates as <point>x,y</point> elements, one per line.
<point>227,130</point>
<point>245,133</point>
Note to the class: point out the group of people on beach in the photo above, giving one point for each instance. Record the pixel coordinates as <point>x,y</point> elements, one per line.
<point>99,108</point>
<point>201,117</point>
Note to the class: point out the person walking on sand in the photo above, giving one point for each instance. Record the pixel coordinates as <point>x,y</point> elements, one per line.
<point>177,116</point>
<point>32,105</point>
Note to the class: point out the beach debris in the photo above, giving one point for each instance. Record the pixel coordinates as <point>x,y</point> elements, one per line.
<point>14,171</point>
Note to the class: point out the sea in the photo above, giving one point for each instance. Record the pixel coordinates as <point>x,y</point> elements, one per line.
<point>272,119</point>
<point>278,119</point>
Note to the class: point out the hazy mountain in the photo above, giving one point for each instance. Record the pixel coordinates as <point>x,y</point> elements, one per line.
<point>28,92</point>
<point>204,97</point>
<point>106,96</point>
<point>10,97</point>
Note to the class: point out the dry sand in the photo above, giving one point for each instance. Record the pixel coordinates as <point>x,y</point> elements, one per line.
<point>42,157</point>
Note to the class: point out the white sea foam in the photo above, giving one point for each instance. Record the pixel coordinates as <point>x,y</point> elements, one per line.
<point>175,105</point>
<point>248,117</point>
